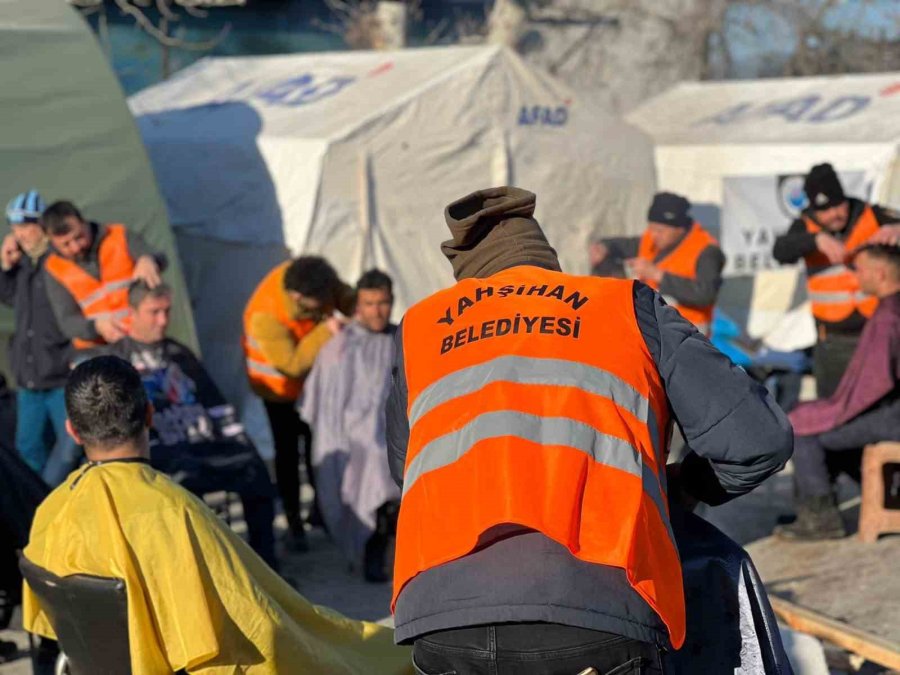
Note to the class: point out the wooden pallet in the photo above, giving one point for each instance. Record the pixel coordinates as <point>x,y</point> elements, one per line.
<point>871,647</point>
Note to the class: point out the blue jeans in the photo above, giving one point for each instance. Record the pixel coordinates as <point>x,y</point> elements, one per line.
<point>37,413</point>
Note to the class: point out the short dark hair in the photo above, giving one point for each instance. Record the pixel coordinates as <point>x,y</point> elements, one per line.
<point>106,402</point>
<point>54,217</point>
<point>139,290</point>
<point>886,252</point>
<point>311,276</point>
<point>375,279</point>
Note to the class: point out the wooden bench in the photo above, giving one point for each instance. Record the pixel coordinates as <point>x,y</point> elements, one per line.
<point>879,512</point>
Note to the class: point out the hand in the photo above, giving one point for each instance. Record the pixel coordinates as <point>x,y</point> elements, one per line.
<point>335,324</point>
<point>147,271</point>
<point>10,253</point>
<point>831,248</point>
<point>597,253</point>
<point>887,234</point>
<point>109,329</point>
<point>676,494</point>
<point>645,270</point>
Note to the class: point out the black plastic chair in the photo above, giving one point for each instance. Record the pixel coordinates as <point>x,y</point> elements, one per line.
<point>90,617</point>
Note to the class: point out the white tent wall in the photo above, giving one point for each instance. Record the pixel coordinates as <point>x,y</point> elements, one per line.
<point>362,177</point>
<point>591,174</point>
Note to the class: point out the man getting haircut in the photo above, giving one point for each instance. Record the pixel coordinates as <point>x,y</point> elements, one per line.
<point>199,599</point>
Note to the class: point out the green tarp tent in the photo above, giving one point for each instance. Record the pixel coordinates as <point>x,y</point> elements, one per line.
<point>68,132</point>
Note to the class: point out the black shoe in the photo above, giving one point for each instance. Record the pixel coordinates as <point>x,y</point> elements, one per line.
<point>818,519</point>
<point>9,651</point>
<point>296,536</point>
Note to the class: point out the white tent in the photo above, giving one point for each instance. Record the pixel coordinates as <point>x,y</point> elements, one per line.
<point>739,151</point>
<point>354,155</point>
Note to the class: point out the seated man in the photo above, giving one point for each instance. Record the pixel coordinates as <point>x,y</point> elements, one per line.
<point>343,401</point>
<point>865,408</point>
<point>195,436</point>
<point>199,599</point>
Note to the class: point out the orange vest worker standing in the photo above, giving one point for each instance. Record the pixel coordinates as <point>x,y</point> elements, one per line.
<point>528,426</point>
<point>89,273</point>
<point>825,236</point>
<point>287,320</point>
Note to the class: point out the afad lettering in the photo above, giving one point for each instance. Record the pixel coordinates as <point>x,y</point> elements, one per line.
<point>561,326</point>
<point>811,109</point>
<point>574,298</point>
<point>293,92</point>
<point>545,116</point>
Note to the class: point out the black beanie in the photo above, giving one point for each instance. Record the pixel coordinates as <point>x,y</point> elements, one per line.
<point>823,187</point>
<point>670,209</point>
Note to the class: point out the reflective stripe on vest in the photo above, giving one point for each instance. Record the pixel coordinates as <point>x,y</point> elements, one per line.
<point>269,298</point>
<point>682,262</point>
<point>103,298</point>
<point>833,289</point>
<point>538,427</point>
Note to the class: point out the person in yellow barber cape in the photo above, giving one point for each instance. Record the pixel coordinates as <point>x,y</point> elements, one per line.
<point>199,598</point>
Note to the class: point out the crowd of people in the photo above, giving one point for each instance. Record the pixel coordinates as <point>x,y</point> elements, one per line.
<point>515,423</point>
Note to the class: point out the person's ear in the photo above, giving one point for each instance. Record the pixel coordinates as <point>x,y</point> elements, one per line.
<point>71,431</point>
<point>149,415</point>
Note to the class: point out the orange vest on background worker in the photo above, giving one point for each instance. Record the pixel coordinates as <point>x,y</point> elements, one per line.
<point>103,298</point>
<point>833,289</point>
<point>271,298</point>
<point>682,262</point>
<point>533,400</point>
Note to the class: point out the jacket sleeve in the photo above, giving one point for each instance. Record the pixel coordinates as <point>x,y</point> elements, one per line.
<point>736,434</point>
<point>397,421</point>
<point>69,316</point>
<point>138,247</point>
<point>794,244</point>
<point>619,250</point>
<point>293,358</point>
<point>8,285</point>
<point>704,289</point>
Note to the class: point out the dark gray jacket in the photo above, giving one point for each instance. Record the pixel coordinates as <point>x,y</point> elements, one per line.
<point>39,352</point>
<point>737,438</point>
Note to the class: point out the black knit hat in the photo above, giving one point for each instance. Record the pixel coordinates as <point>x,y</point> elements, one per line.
<point>823,187</point>
<point>670,209</point>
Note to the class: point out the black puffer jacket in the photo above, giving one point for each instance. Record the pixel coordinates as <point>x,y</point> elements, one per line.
<point>39,352</point>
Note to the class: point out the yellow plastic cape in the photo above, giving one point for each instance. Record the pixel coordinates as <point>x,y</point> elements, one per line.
<point>199,598</point>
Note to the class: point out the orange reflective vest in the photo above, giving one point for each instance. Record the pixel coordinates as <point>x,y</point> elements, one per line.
<point>833,289</point>
<point>271,298</point>
<point>682,262</point>
<point>103,298</point>
<point>533,400</point>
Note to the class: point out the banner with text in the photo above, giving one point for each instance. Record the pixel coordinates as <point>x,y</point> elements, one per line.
<point>757,209</point>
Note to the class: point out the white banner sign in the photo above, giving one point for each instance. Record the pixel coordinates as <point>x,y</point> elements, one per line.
<point>757,209</point>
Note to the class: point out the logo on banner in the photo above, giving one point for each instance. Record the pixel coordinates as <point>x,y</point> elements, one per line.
<point>791,197</point>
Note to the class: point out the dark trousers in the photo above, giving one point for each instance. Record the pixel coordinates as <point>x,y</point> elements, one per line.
<point>830,359</point>
<point>532,649</point>
<point>259,513</point>
<point>820,459</point>
<point>287,432</point>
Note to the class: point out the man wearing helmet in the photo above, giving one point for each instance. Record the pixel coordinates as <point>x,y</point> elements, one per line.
<point>39,352</point>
